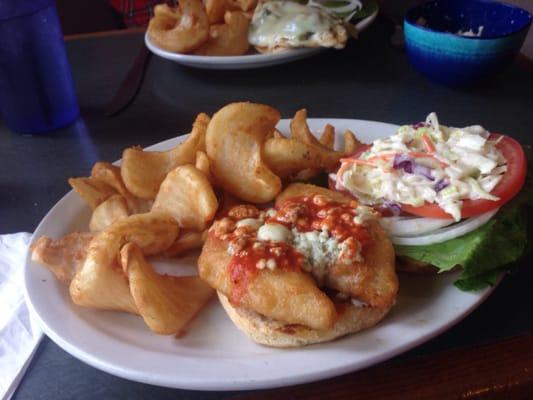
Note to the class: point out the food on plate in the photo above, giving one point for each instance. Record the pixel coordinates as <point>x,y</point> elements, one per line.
<point>182,29</point>
<point>229,38</point>
<point>187,240</point>
<point>143,171</point>
<point>229,27</point>
<point>234,142</point>
<point>313,268</point>
<point>281,25</point>
<point>242,5</point>
<point>328,136</point>
<point>100,283</point>
<point>92,191</point>
<point>187,195</point>
<point>213,29</point>
<point>166,303</point>
<point>451,191</point>
<point>63,257</point>
<point>164,202</point>
<point>107,212</point>
<point>215,10</point>
<point>351,144</point>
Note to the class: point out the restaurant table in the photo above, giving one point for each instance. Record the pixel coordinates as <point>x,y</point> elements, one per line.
<point>487,355</point>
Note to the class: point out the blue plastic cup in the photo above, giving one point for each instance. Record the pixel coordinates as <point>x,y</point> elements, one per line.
<point>36,90</point>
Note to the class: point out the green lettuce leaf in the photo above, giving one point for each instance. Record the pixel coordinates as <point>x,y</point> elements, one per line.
<point>486,251</point>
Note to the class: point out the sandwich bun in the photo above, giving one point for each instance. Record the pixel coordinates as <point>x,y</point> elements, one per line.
<point>269,332</point>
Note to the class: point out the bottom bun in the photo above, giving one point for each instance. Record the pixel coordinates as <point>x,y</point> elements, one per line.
<point>274,333</point>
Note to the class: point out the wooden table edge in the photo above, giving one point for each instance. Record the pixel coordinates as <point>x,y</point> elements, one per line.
<point>500,369</point>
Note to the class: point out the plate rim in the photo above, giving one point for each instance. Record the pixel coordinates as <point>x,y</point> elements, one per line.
<point>222,385</point>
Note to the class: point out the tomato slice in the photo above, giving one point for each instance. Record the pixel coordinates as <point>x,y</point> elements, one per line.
<point>508,187</point>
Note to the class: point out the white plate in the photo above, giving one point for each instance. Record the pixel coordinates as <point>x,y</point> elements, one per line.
<point>248,61</point>
<point>215,355</point>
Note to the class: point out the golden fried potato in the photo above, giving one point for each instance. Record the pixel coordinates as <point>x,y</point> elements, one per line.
<point>187,240</point>
<point>242,5</point>
<point>182,30</point>
<point>351,143</point>
<point>166,303</point>
<point>92,191</point>
<point>300,130</point>
<point>305,190</point>
<point>101,283</point>
<point>215,10</point>
<point>277,134</point>
<point>234,140</point>
<point>63,257</point>
<point>328,137</point>
<point>143,171</point>
<point>267,292</point>
<point>287,157</point>
<point>110,174</point>
<point>203,164</point>
<point>107,212</point>
<point>228,39</point>
<point>188,197</point>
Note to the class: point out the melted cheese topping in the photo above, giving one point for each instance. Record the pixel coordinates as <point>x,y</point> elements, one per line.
<point>289,24</point>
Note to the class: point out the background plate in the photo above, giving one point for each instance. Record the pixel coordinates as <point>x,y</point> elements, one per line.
<point>248,61</point>
<point>214,355</point>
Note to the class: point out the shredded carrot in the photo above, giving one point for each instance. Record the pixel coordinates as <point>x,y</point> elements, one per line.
<point>383,155</point>
<point>358,161</point>
<point>430,147</point>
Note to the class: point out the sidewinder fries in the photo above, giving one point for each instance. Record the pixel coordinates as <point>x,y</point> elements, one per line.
<point>143,171</point>
<point>188,196</point>
<point>100,283</point>
<point>234,142</point>
<point>166,303</point>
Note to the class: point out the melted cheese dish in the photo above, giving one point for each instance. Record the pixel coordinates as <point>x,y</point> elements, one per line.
<point>285,24</point>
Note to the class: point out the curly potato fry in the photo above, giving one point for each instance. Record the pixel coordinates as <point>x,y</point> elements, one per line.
<point>351,143</point>
<point>166,303</point>
<point>242,5</point>
<point>215,10</point>
<point>64,256</point>
<point>107,212</point>
<point>328,137</point>
<point>92,191</point>
<point>182,30</point>
<point>100,283</point>
<point>228,39</point>
<point>234,140</point>
<point>187,240</point>
<point>289,156</point>
<point>187,195</point>
<point>143,171</point>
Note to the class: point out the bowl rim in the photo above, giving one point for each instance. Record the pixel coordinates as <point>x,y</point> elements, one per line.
<point>408,21</point>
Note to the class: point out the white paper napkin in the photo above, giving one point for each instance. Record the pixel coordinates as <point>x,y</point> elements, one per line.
<point>19,334</point>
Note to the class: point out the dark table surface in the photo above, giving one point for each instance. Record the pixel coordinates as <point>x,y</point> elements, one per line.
<point>369,80</point>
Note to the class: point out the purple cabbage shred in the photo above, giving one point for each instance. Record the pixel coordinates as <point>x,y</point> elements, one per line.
<point>393,207</point>
<point>403,161</point>
<point>441,184</point>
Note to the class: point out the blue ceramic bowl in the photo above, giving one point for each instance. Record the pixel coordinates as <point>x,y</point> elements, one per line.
<point>460,42</point>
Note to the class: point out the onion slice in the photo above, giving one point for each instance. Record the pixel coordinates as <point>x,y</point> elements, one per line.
<point>447,233</point>
<point>412,226</point>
